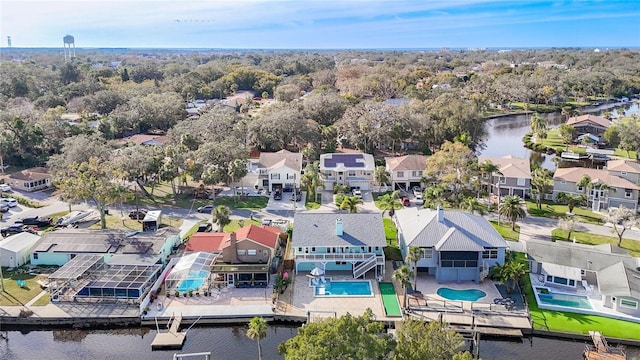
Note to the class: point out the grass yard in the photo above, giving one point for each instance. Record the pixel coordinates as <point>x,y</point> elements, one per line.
<point>632,246</point>
<point>555,211</point>
<point>118,221</point>
<point>504,229</point>
<point>247,202</point>
<point>237,224</point>
<point>390,232</point>
<point>311,204</point>
<point>577,323</point>
<point>14,295</point>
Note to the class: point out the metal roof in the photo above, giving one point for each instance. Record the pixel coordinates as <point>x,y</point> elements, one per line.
<point>314,229</point>
<point>19,241</point>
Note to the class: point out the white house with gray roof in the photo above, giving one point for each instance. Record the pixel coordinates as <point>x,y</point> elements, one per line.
<point>352,170</point>
<point>606,272</point>
<point>339,241</point>
<point>512,178</point>
<point>458,246</point>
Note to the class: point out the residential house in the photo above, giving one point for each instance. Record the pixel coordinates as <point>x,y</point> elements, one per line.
<point>347,242</point>
<point>406,171</point>
<point>512,178</point>
<point>143,139</point>
<point>352,170</point>
<point>244,258</point>
<point>458,246</point>
<point>30,180</point>
<point>278,170</point>
<point>60,246</point>
<point>602,272</point>
<point>611,187</point>
<point>590,124</point>
<point>15,249</point>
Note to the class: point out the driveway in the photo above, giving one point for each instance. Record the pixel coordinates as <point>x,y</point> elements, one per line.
<point>532,227</point>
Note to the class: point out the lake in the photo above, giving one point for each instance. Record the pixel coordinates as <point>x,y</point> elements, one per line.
<point>504,134</point>
<point>229,342</point>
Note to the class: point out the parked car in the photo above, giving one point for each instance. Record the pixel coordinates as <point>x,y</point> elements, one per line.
<point>12,229</point>
<point>417,191</point>
<point>357,192</point>
<point>11,202</point>
<point>277,194</point>
<point>4,207</point>
<point>206,227</point>
<point>35,220</point>
<point>297,196</point>
<point>405,201</point>
<point>137,214</point>
<point>266,222</point>
<point>206,209</point>
<point>5,188</point>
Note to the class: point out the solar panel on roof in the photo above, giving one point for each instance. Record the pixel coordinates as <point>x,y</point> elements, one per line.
<point>348,160</point>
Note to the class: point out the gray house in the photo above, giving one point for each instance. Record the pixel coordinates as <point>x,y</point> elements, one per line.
<point>615,186</point>
<point>458,246</point>
<point>513,176</point>
<point>613,275</point>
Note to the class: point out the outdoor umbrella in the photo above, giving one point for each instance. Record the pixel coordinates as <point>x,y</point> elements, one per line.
<point>317,271</point>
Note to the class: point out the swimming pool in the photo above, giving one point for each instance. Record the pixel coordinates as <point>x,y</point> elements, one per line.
<point>193,282</point>
<point>465,295</point>
<point>560,299</point>
<point>344,289</point>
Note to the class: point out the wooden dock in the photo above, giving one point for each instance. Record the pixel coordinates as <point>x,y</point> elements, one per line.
<point>173,338</point>
<point>600,350</point>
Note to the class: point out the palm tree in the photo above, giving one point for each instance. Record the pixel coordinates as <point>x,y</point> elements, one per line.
<point>381,176</point>
<point>257,330</point>
<point>472,205</point>
<point>312,179</point>
<point>512,208</point>
<point>491,169</point>
<point>540,184</point>
<point>538,125</point>
<point>413,256</point>
<point>586,184</point>
<point>433,196</point>
<point>403,275</point>
<point>221,215</point>
<point>510,274</point>
<point>351,203</point>
<point>571,200</point>
<point>389,202</point>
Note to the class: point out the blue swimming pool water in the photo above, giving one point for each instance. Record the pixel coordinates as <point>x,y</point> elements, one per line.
<point>344,288</point>
<point>568,300</point>
<point>464,295</point>
<point>195,281</point>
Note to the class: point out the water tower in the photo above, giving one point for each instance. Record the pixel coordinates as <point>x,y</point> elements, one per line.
<point>69,48</point>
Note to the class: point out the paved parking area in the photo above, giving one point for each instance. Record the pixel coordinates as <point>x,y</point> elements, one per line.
<point>286,204</point>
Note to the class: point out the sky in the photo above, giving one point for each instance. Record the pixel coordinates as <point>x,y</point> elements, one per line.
<point>321,24</point>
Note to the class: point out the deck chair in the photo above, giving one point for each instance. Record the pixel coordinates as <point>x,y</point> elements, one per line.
<point>324,281</point>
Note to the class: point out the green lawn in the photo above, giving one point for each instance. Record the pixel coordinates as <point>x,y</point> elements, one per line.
<point>311,204</point>
<point>389,299</point>
<point>390,232</point>
<point>555,211</point>
<point>236,224</point>
<point>577,323</point>
<point>504,229</point>
<point>14,295</point>
<point>115,220</point>
<point>633,246</point>
<point>247,202</point>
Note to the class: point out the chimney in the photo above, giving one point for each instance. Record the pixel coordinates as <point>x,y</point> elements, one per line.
<point>440,214</point>
<point>233,248</point>
<point>339,231</point>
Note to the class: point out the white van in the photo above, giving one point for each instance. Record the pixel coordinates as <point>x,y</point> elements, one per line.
<point>10,202</point>
<point>5,188</point>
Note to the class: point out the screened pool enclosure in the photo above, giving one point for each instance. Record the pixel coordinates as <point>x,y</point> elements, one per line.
<point>190,274</point>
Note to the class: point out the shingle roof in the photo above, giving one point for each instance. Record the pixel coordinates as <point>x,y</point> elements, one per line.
<point>459,230</point>
<point>623,165</point>
<point>598,176</point>
<point>509,166</point>
<point>280,158</point>
<point>580,120</point>
<point>314,229</point>
<point>36,173</point>
<point>406,163</point>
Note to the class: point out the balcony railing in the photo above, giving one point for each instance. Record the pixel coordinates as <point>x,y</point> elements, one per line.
<point>337,257</point>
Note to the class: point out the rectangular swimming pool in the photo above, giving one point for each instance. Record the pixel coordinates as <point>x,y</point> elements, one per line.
<point>349,288</point>
<point>567,300</point>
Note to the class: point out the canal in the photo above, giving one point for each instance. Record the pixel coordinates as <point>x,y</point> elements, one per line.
<point>230,342</point>
<point>504,134</point>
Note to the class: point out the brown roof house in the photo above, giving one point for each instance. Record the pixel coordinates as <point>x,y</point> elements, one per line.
<point>513,178</point>
<point>32,179</point>
<point>589,124</point>
<point>406,171</point>
<point>609,187</point>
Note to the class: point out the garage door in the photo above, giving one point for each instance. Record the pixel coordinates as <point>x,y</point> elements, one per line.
<point>363,185</point>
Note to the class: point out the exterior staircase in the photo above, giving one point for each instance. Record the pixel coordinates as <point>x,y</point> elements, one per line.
<point>361,268</point>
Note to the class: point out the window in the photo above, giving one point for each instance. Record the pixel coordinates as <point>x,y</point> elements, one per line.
<point>503,180</point>
<point>572,283</point>
<point>416,174</point>
<point>299,249</point>
<point>490,253</point>
<point>313,249</point>
<point>275,176</point>
<point>549,278</point>
<point>400,174</point>
<point>628,303</point>
<point>563,182</point>
<point>560,280</point>
<point>291,176</point>
<point>623,173</point>
<point>428,253</point>
<point>252,252</point>
<point>580,188</point>
<point>521,182</point>
<point>265,253</point>
<point>242,252</point>
<point>35,256</point>
<point>627,193</point>
<point>352,173</point>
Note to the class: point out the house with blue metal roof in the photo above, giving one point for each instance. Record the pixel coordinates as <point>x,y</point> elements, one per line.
<point>458,246</point>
